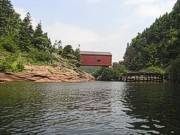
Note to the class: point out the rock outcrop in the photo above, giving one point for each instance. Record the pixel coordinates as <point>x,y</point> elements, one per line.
<point>46,74</point>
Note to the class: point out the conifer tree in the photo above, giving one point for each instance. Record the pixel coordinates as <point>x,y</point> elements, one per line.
<point>68,51</point>
<point>6,11</point>
<point>26,34</point>
<point>40,39</point>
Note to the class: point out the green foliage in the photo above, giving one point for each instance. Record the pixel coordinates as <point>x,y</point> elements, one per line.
<point>6,12</point>
<point>40,57</point>
<point>40,39</point>
<point>57,47</point>
<point>68,52</point>
<point>153,69</point>
<point>18,36</point>
<point>104,74</point>
<point>8,45</point>
<point>26,34</point>
<point>77,54</point>
<point>22,42</point>
<point>118,70</point>
<point>174,70</point>
<point>12,63</point>
<point>108,74</point>
<point>156,46</point>
<point>72,55</point>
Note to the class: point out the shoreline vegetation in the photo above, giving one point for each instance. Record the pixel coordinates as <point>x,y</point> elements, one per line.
<point>157,46</point>
<point>27,54</point>
<point>118,72</point>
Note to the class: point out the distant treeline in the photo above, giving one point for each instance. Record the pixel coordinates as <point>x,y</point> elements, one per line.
<point>21,44</point>
<point>157,46</point>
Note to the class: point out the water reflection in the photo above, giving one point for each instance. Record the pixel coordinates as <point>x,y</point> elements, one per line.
<point>89,108</point>
<point>156,106</point>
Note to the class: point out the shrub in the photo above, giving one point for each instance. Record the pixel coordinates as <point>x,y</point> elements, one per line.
<point>41,56</point>
<point>104,74</point>
<point>174,70</point>
<point>154,69</point>
<point>108,74</point>
<point>12,63</point>
<point>118,71</point>
<point>9,47</point>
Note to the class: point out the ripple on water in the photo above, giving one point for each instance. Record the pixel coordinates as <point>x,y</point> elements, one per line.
<point>88,108</point>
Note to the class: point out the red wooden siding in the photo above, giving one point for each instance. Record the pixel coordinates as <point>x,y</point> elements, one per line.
<point>95,60</point>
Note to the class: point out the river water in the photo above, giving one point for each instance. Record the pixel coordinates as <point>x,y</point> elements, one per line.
<point>92,108</point>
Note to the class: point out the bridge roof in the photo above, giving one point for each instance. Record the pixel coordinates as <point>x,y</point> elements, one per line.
<point>95,53</point>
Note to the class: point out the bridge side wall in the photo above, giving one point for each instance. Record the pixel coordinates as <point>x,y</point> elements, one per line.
<point>96,60</point>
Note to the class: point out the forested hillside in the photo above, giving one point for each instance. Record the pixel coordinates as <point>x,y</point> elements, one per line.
<point>157,45</point>
<point>20,44</point>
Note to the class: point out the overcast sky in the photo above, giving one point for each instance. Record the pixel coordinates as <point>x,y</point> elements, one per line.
<point>97,25</point>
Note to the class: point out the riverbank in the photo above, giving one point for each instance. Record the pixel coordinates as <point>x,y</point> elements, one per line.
<point>46,74</point>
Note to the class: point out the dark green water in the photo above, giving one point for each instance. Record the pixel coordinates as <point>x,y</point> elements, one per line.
<point>93,108</point>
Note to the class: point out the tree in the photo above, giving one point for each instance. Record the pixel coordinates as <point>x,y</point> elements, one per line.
<point>32,46</point>
<point>174,71</point>
<point>157,45</point>
<point>9,26</point>
<point>40,39</point>
<point>77,54</point>
<point>68,52</point>
<point>6,12</point>
<point>58,47</point>
<point>26,34</point>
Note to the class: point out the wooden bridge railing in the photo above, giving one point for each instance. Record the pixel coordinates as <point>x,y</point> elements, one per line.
<point>141,76</point>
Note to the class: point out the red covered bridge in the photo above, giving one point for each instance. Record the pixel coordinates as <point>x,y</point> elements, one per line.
<point>103,59</point>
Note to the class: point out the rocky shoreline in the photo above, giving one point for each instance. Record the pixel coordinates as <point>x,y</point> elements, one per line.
<point>46,74</point>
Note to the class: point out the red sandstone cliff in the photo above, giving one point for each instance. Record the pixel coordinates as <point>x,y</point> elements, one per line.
<point>46,74</point>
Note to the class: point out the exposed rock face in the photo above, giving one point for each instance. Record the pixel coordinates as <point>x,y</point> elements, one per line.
<point>46,74</point>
